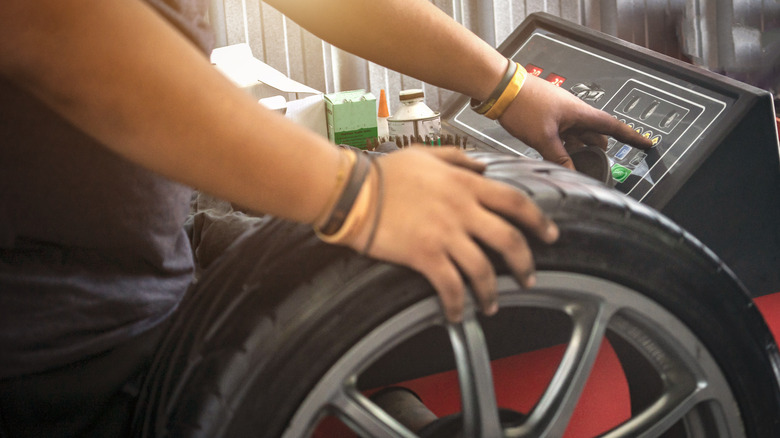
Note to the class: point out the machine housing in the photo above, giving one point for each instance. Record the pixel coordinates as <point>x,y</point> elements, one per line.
<point>715,166</point>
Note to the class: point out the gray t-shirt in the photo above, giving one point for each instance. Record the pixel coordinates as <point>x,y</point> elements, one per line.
<point>92,249</point>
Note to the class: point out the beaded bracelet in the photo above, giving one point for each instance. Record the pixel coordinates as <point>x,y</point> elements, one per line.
<point>509,94</point>
<point>483,107</point>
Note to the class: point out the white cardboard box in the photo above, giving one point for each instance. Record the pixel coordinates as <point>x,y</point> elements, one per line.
<point>272,88</point>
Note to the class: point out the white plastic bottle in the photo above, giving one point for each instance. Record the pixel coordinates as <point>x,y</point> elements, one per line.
<point>414,118</point>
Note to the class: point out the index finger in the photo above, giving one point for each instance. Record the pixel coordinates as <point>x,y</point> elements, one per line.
<point>606,124</point>
<point>455,156</point>
<point>508,201</point>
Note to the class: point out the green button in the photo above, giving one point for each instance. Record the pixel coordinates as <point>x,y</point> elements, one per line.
<point>620,173</point>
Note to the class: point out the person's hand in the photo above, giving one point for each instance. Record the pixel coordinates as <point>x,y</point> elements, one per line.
<point>436,208</point>
<point>545,117</point>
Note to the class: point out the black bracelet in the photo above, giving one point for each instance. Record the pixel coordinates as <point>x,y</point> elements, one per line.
<point>347,199</point>
<point>380,194</point>
<point>483,107</point>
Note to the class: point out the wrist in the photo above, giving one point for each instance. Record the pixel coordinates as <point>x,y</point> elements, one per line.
<point>506,92</point>
<point>346,170</point>
<point>481,107</point>
<point>361,220</point>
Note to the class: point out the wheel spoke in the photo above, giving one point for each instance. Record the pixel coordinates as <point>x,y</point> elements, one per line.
<point>366,418</point>
<point>552,413</point>
<point>661,415</point>
<point>480,411</point>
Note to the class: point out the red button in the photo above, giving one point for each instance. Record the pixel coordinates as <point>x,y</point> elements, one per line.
<point>555,79</point>
<point>534,70</point>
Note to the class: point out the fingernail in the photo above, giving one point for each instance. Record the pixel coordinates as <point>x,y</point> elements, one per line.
<point>492,308</point>
<point>530,281</point>
<point>552,232</point>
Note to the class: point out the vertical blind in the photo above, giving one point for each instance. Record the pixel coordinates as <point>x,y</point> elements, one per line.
<point>282,44</point>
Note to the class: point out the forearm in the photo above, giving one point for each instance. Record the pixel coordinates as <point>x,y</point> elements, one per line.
<point>121,74</point>
<point>412,37</point>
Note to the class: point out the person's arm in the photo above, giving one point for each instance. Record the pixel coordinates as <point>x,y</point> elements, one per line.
<point>418,39</point>
<point>121,74</point>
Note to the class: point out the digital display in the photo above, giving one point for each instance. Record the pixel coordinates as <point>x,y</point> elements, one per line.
<point>534,70</point>
<point>555,79</point>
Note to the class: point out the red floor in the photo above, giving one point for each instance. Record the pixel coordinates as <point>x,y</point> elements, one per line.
<point>769,305</point>
<point>604,403</point>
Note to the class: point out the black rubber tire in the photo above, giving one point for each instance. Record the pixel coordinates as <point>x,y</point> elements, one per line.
<point>239,363</point>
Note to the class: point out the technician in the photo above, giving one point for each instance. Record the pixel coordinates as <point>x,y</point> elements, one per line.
<point>110,111</point>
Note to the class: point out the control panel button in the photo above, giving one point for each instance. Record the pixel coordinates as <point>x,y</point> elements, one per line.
<point>534,70</point>
<point>555,79</point>
<point>621,154</point>
<point>588,92</point>
<point>637,160</point>
<point>620,173</point>
<point>611,142</point>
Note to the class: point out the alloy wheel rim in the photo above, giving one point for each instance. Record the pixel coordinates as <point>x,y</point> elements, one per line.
<point>695,391</point>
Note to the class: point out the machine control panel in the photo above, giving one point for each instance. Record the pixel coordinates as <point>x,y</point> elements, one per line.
<point>673,114</point>
<point>714,168</point>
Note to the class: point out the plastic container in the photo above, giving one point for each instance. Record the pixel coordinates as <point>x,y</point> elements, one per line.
<point>414,118</point>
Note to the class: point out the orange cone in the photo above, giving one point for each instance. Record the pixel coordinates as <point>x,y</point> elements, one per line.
<point>383,112</point>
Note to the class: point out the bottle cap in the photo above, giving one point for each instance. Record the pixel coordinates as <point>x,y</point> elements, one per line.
<point>414,93</point>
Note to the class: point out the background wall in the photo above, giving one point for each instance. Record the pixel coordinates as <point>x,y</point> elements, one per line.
<point>740,38</point>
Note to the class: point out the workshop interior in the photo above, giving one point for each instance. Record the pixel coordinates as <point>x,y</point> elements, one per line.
<point>655,316</point>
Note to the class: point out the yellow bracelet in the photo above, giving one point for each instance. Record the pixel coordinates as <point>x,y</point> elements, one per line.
<point>509,94</point>
<point>484,106</point>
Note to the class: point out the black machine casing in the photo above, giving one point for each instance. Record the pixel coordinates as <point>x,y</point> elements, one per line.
<point>715,169</point>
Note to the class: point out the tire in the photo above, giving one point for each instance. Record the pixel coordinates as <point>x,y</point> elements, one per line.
<point>269,343</point>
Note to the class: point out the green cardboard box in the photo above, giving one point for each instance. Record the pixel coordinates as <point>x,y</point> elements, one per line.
<point>351,117</point>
